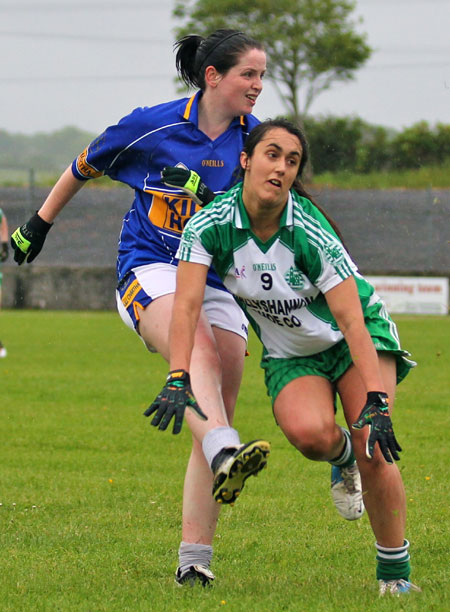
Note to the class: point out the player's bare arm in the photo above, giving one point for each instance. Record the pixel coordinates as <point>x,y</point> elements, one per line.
<point>191,281</point>
<point>63,191</point>
<point>345,305</point>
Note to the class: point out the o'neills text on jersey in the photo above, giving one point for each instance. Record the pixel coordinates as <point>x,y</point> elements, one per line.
<point>260,267</point>
<point>213,163</point>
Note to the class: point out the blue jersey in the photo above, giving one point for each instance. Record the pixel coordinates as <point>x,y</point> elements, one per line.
<point>136,150</point>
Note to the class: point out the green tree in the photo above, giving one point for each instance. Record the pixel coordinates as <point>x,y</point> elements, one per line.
<point>334,142</point>
<point>416,146</point>
<point>310,44</point>
<point>374,154</point>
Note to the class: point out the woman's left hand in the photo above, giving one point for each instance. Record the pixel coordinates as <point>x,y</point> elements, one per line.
<point>376,414</point>
<point>173,400</point>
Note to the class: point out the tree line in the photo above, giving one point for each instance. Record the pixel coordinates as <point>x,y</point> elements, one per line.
<point>336,144</point>
<point>310,46</point>
<point>351,144</point>
<point>44,152</point>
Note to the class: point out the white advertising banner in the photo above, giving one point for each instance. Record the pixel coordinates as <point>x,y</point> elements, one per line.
<point>412,295</point>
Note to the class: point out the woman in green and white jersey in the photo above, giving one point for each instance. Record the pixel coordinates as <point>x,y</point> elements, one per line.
<point>323,329</point>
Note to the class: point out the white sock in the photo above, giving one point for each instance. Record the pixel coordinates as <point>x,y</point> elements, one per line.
<point>194,554</point>
<point>218,438</point>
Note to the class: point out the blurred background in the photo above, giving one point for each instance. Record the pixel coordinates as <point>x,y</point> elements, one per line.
<point>379,133</point>
<point>89,63</point>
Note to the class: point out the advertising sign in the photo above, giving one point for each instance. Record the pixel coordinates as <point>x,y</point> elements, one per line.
<point>413,295</point>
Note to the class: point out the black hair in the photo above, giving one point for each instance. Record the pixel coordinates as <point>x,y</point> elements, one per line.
<point>258,133</point>
<point>221,49</point>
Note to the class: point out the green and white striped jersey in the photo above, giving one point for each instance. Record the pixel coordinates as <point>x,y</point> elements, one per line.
<point>280,284</point>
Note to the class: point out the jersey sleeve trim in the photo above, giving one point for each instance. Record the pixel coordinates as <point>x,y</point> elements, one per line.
<point>82,169</point>
<point>331,283</point>
<point>192,250</point>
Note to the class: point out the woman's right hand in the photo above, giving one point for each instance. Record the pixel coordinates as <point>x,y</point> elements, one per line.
<point>28,240</point>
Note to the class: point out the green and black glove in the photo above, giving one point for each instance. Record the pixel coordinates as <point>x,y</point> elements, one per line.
<point>28,240</point>
<point>4,252</point>
<point>190,182</point>
<point>173,400</point>
<point>376,414</point>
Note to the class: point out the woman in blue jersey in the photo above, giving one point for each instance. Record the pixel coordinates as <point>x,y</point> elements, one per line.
<point>323,328</point>
<point>205,133</point>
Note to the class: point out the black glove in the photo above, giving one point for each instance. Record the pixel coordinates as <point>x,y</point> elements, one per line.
<point>173,400</point>
<point>28,240</point>
<point>376,414</point>
<point>190,182</point>
<point>4,252</point>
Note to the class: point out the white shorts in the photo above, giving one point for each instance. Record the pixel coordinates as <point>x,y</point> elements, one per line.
<point>147,283</point>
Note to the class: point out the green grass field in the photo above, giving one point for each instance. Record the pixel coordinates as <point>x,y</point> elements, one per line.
<point>91,494</point>
<point>426,177</point>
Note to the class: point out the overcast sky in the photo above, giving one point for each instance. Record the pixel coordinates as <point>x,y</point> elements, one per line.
<point>88,64</point>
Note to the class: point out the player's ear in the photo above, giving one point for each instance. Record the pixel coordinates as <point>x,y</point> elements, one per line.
<point>212,76</point>
<point>244,160</point>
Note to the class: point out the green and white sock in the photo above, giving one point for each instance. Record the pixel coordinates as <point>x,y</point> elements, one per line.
<point>346,458</point>
<point>393,563</point>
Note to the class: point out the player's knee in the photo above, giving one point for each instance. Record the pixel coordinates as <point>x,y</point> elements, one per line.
<point>315,445</point>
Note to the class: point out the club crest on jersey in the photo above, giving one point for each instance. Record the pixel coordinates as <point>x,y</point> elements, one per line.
<point>294,278</point>
<point>240,273</point>
<point>188,237</point>
<point>333,253</point>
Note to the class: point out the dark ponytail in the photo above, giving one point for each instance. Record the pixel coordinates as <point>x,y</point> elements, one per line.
<point>222,49</point>
<point>187,48</point>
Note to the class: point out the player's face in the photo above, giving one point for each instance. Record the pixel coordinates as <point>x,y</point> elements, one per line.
<point>240,87</point>
<point>272,168</point>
